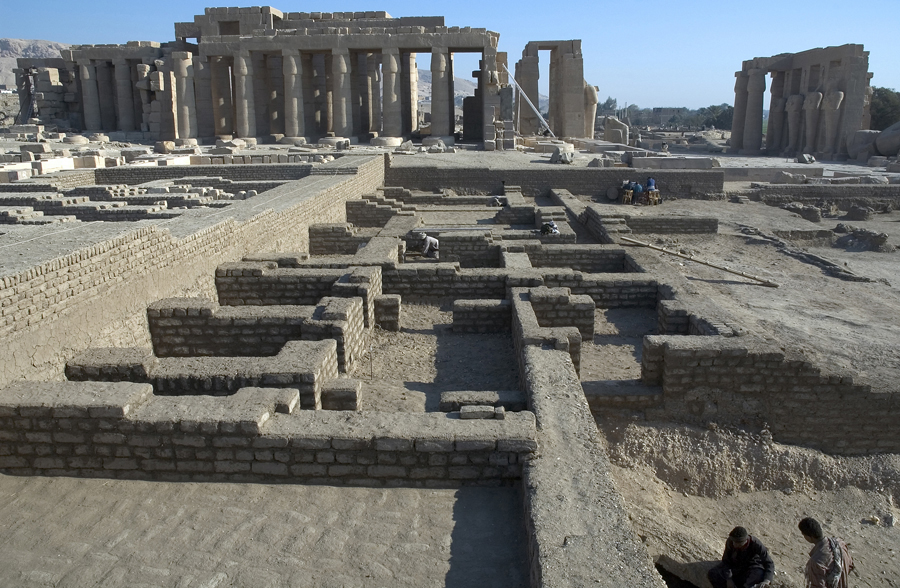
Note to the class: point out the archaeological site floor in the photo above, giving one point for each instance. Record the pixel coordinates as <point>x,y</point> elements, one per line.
<point>274,390</point>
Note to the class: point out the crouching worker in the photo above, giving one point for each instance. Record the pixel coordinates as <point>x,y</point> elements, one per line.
<point>746,562</point>
<point>430,246</point>
<point>549,228</point>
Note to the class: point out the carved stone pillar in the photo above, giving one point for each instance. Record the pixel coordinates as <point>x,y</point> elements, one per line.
<point>740,111</point>
<point>294,120</point>
<point>527,75</point>
<point>590,109</point>
<point>440,99</point>
<point>831,111</point>
<point>185,99</point>
<point>793,109</point>
<point>221,96</point>
<point>391,109</point>
<point>775,131</point>
<point>243,94</point>
<point>811,113</point>
<point>756,88</point>
<point>373,90</point>
<point>124,95</point>
<point>90,97</point>
<point>409,92</point>
<point>341,96</point>
<point>106,94</point>
<point>203,95</point>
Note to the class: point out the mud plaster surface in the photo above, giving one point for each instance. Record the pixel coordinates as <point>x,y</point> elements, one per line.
<point>406,371</point>
<point>77,532</point>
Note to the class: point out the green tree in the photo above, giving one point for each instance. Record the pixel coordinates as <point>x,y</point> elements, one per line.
<point>885,108</point>
<point>610,104</point>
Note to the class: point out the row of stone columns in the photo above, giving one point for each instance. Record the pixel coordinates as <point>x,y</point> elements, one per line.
<point>360,94</point>
<point>812,118</point>
<point>381,104</point>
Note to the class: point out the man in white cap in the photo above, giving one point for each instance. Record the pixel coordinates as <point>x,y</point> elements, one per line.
<point>429,246</point>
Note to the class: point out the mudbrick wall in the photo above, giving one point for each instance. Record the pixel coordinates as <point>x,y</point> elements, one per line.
<point>80,294</point>
<point>587,181</point>
<point>481,316</point>
<point>185,327</point>
<point>122,430</point>
<point>256,283</point>
<point>743,381</point>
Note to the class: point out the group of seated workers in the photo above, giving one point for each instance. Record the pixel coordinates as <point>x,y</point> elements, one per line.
<point>633,192</point>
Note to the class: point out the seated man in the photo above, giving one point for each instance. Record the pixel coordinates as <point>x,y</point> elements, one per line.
<point>651,184</point>
<point>746,562</point>
<point>429,246</point>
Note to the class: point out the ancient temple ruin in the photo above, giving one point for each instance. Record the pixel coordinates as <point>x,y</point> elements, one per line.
<point>819,98</point>
<point>259,72</point>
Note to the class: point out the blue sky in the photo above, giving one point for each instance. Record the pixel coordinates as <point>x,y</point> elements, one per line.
<point>648,52</point>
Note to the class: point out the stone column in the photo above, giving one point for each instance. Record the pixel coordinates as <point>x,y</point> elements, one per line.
<point>341,98</point>
<point>793,109</point>
<point>275,93</point>
<point>203,96</point>
<point>222,107</point>
<point>831,111</point>
<point>294,122</point>
<point>527,75</point>
<point>308,86</point>
<point>410,83</point>
<point>90,97</point>
<point>391,111</point>
<point>259,78</point>
<point>243,95</point>
<point>756,88</point>
<point>440,100</point>
<point>740,111</point>
<point>185,99</point>
<point>106,94</point>
<point>811,111</point>
<point>124,95</point>
<point>775,131</point>
<point>590,109</point>
<point>373,91</point>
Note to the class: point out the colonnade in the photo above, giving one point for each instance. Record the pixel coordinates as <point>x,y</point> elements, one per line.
<point>337,92</point>
<point>819,99</point>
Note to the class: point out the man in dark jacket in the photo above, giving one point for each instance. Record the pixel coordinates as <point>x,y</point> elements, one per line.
<point>746,561</point>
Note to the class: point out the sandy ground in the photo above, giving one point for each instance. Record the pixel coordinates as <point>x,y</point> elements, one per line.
<point>686,489</point>
<point>406,371</point>
<point>65,532</point>
<point>851,326</point>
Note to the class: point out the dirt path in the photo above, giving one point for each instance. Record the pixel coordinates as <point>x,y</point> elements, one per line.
<point>63,532</point>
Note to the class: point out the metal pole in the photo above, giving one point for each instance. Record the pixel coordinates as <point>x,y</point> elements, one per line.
<point>528,100</point>
<point>700,261</point>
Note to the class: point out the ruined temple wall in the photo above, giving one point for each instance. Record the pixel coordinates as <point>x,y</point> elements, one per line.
<point>585,181</point>
<point>751,383</point>
<point>51,311</point>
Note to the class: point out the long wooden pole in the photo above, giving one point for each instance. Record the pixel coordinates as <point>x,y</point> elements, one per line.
<point>768,283</point>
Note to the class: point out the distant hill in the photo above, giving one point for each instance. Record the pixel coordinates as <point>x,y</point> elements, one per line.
<point>11,49</point>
